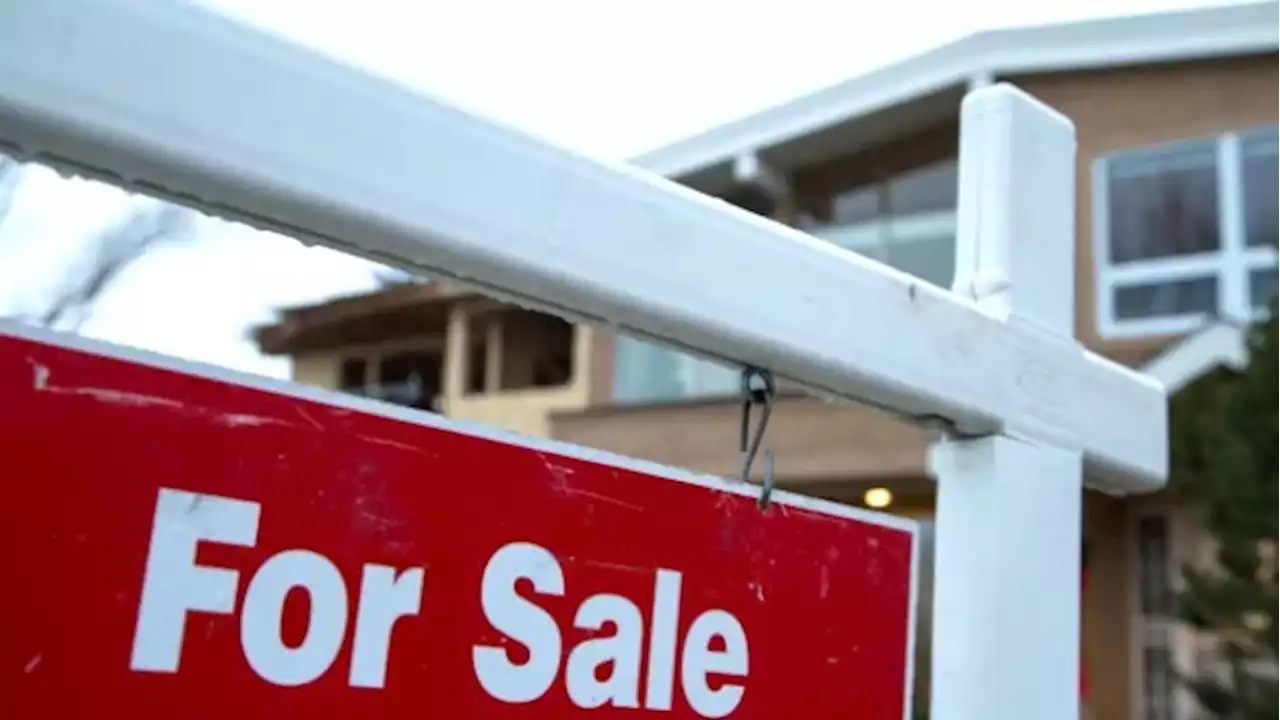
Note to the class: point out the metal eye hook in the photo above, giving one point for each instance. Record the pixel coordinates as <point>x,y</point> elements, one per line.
<point>749,445</point>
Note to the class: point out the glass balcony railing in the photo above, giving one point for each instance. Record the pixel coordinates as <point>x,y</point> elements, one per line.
<point>921,244</point>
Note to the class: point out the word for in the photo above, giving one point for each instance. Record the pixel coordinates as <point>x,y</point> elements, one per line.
<point>175,586</point>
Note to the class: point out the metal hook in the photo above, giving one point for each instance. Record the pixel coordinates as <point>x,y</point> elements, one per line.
<point>763,396</point>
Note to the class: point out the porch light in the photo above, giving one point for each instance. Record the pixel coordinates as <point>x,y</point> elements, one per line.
<point>877,497</point>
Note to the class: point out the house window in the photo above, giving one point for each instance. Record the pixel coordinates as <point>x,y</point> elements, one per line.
<point>1162,642</point>
<point>521,350</point>
<point>1155,593</point>
<point>649,372</point>
<point>1185,231</point>
<point>907,221</point>
<point>410,378</point>
<point>354,375</point>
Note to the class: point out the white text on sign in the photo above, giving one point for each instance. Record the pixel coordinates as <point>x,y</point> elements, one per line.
<point>174,586</point>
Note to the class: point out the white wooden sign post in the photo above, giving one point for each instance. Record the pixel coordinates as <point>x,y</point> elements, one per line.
<point>174,101</point>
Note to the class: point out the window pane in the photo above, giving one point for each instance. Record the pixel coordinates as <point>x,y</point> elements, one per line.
<point>644,371</point>
<point>700,378</point>
<point>649,372</point>
<point>865,237</point>
<point>1155,596</point>
<point>928,188</point>
<point>411,379</point>
<point>906,221</point>
<point>1163,203</point>
<point>352,379</point>
<point>1261,188</point>
<point>1262,286</point>
<point>857,205</point>
<point>1158,681</point>
<point>924,245</point>
<point>1164,299</point>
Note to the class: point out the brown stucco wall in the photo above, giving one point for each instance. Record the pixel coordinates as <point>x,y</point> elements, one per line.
<point>814,441</point>
<point>1106,604</point>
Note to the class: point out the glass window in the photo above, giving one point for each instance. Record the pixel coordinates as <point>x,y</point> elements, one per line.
<point>925,189</point>
<point>1161,299</point>
<point>649,372</point>
<point>643,371</point>
<point>1262,287</point>
<point>1155,624</point>
<point>411,378</point>
<point>1155,595</point>
<point>865,238</point>
<point>906,221</point>
<point>924,245</point>
<point>856,206</point>
<point>1165,203</point>
<point>1158,680</point>
<point>353,375</point>
<point>1186,231</point>
<point>1261,188</point>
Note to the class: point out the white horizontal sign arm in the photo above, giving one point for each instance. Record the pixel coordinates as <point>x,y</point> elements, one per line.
<point>174,101</point>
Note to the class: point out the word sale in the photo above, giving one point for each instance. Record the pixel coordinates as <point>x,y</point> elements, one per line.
<point>174,586</point>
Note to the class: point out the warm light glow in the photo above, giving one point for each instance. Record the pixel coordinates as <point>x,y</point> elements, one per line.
<point>877,497</point>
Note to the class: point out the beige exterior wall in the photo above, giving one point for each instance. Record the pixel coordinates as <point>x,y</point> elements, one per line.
<point>317,369</point>
<point>526,411</point>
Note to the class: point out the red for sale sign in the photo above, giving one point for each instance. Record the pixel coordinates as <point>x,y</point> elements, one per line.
<point>182,542</point>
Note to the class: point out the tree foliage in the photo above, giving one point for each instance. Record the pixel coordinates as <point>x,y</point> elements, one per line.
<point>1224,454</point>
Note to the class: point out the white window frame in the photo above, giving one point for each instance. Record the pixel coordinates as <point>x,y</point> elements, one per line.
<point>1181,638</point>
<point>1231,264</point>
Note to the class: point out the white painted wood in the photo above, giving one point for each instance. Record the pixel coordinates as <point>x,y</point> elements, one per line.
<point>1006,592</point>
<point>1233,282</point>
<point>1215,345</point>
<point>1006,580</point>
<point>1015,218</point>
<point>172,100</point>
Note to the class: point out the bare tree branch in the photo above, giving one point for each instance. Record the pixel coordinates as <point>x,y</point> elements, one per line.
<point>111,253</point>
<point>108,254</point>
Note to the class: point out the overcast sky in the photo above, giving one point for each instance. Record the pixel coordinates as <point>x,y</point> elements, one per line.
<point>606,77</point>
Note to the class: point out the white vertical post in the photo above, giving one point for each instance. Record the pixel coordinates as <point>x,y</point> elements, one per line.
<point>1007,579</point>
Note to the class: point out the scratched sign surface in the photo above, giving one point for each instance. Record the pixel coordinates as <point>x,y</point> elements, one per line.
<point>180,542</point>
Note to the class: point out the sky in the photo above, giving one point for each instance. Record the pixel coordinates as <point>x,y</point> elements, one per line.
<point>610,78</point>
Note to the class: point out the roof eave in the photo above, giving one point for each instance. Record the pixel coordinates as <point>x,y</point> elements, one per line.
<point>1197,34</point>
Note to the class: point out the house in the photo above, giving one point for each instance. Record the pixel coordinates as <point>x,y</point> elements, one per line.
<point>1176,119</point>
